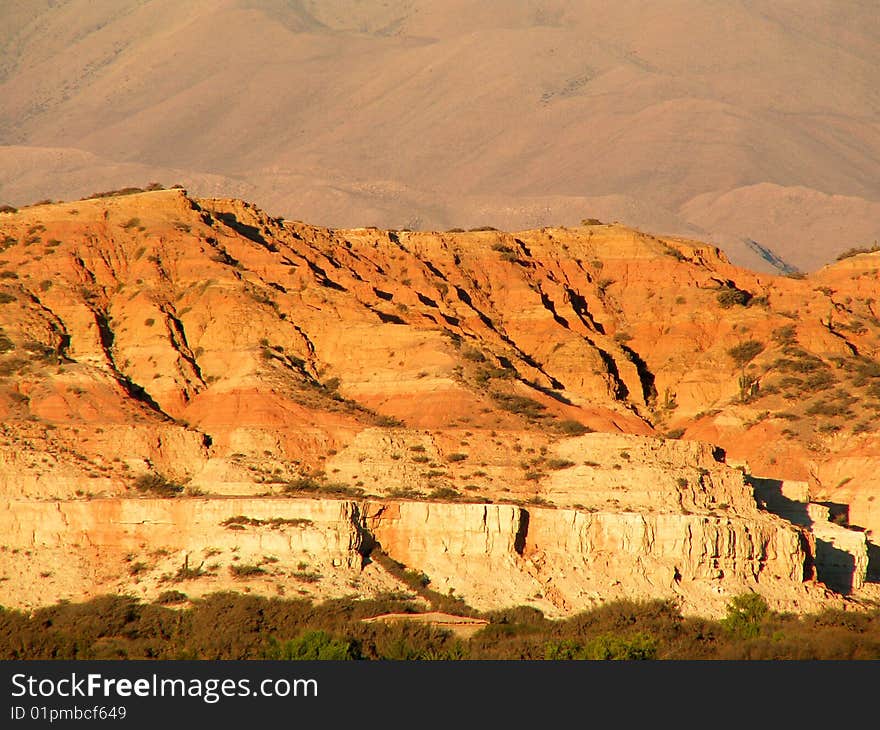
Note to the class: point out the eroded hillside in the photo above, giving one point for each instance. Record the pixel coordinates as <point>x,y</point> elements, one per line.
<point>203,351</point>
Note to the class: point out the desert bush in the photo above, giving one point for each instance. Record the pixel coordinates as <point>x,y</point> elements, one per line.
<point>116,193</point>
<point>239,570</point>
<point>850,252</point>
<point>558,464</point>
<point>519,404</point>
<point>169,598</point>
<point>638,646</point>
<point>12,366</point>
<point>570,427</point>
<point>744,615</point>
<point>302,484</point>
<point>821,380</point>
<point>489,372</point>
<point>235,626</point>
<point>157,484</point>
<point>472,354</point>
<point>745,352</point>
<point>826,408</point>
<point>728,297</point>
<point>445,493</point>
<point>785,335</point>
<point>304,576</point>
<point>313,645</point>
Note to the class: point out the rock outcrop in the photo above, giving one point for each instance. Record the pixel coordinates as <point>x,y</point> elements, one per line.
<point>547,416</point>
<point>492,555</point>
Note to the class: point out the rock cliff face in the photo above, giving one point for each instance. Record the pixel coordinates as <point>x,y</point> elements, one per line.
<point>841,554</point>
<point>548,417</point>
<point>564,560</point>
<point>492,555</point>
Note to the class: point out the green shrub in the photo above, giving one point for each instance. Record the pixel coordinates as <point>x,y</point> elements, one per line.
<point>745,614</point>
<point>604,647</point>
<point>313,645</point>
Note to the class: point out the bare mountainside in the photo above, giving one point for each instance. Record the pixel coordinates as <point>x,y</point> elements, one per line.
<point>194,393</point>
<point>747,120</point>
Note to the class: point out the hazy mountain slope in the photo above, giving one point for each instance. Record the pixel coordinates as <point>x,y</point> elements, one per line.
<point>460,114</point>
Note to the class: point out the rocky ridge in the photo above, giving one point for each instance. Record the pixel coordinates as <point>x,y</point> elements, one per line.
<point>434,391</point>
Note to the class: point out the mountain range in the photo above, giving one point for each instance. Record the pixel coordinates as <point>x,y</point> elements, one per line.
<point>750,124</point>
